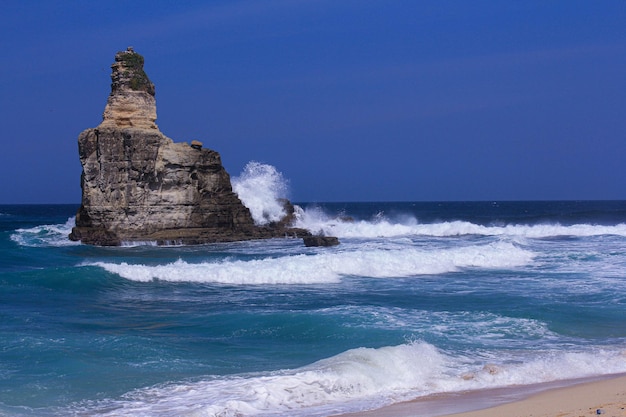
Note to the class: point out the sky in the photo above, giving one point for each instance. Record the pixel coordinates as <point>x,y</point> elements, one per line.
<point>351,100</point>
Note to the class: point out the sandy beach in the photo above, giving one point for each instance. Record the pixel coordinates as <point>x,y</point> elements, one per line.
<point>605,397</point>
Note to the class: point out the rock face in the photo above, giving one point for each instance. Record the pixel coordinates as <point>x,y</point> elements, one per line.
<point>131,102</point>
<point>138,185</point>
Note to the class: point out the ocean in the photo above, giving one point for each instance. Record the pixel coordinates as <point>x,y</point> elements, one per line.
<point>419,298</point>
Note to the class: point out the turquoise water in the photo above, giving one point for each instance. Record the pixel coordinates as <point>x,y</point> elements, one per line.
<point>419,298</point>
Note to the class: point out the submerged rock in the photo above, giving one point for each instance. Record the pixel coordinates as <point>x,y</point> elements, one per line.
<point>310,241</point>
<point>138,185</point>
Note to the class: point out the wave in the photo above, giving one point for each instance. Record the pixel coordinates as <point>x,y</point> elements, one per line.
<point>330,266</point>
<point>360,379</point>
<point>260,187</point>
<point>319,222</point>
<point>46,235</point>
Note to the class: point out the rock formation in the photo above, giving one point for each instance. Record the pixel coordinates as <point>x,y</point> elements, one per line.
<point>138,185</point>
<point>318,240</point>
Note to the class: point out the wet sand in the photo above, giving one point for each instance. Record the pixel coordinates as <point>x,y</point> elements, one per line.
<point>604,397</point>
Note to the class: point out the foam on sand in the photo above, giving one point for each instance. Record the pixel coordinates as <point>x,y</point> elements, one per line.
<point>598,397</point>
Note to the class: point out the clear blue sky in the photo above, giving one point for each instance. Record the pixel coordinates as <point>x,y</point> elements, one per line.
<point>352,100</point>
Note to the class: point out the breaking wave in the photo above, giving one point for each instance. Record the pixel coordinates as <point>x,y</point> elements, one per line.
<point>362,378</point>
<point>319,222</point>
<point>329,267</point>
<point>46,235</point>
<point>260,187</point>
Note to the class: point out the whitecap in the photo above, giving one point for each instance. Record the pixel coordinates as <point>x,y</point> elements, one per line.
<point>317,221</point>
<point>46,235</point>
<point>329,267</point>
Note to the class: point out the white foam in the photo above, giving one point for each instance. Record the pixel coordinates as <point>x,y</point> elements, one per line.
<point>136,243</point>
<point>260,187</point>
<point>46,235</point>
<point>362,378</point>
<point>317,221</point>
<point>329,267</point>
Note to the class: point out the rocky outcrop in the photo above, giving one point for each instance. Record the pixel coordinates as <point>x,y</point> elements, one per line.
<point>138,185</point>
<point>310,241</point>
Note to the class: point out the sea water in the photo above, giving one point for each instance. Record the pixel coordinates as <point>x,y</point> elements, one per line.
<point>418,299</point>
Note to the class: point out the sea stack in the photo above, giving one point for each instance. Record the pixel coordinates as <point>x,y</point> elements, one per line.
<point>138,185</point>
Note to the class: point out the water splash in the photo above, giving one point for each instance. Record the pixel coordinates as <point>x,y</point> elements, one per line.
<point>260,186</point>
<point>46,235</point>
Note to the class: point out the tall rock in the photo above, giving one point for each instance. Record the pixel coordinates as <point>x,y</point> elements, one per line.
<point>138,185</point>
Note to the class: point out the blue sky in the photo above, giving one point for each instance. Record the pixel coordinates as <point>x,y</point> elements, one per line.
<point>353,100</point>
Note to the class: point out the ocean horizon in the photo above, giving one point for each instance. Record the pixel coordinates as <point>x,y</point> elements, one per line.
<point>419,298</point>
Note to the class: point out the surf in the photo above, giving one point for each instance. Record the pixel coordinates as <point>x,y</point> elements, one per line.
<point>46,235</point>
<point>328,267</point>
<point>274,328</point>
<point>361,379</point>
<point>380,226</point>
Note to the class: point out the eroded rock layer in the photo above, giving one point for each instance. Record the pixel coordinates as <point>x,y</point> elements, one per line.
<point>138,185</point>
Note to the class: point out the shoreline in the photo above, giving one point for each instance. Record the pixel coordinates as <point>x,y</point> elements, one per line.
<point>569,398</point>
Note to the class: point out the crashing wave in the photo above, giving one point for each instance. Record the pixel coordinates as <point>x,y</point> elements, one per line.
<point>329,267</point>
<point>360,379</point>
<point>46,235</point>
<point>316,220</point>
<point>261,187</point>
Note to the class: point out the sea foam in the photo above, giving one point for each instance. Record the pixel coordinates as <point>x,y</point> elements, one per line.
<point>318,221</point>
<point>328,267</point>
<point>362,378</point>
<point>46,235</point>
<point>260,186</point>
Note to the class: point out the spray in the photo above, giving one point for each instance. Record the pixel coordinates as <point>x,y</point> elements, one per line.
<point>260,186</point>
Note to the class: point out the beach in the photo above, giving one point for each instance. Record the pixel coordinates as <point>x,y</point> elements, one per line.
<point>606,397</point>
